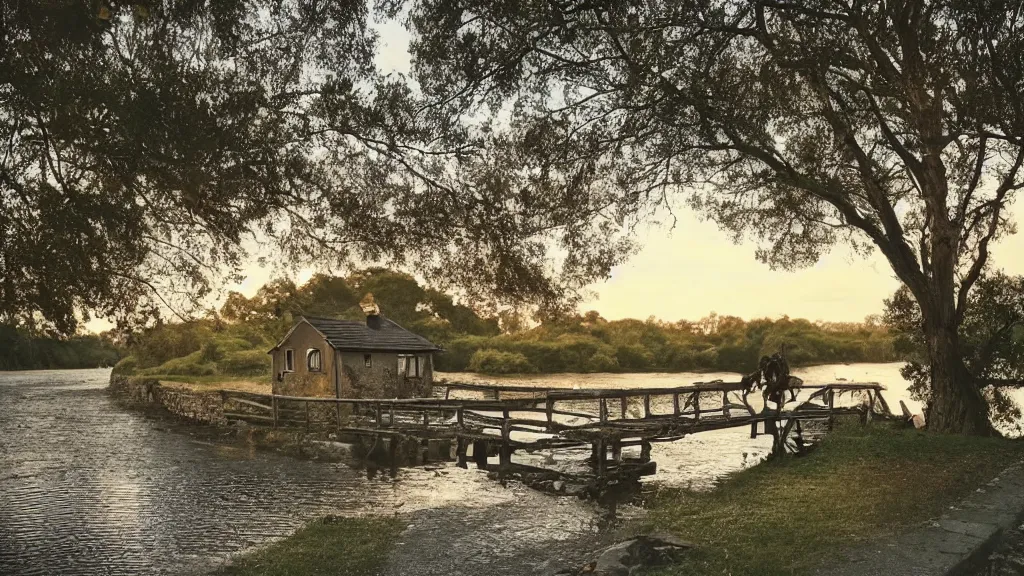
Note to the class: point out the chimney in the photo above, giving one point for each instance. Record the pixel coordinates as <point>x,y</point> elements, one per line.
<point>371,310</point>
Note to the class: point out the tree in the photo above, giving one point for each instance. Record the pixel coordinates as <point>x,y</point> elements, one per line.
<point>141,141</point>
<point>991,336</point>
<point>897,125</point>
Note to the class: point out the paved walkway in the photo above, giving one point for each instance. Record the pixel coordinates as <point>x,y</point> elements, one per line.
<point>949,545</point>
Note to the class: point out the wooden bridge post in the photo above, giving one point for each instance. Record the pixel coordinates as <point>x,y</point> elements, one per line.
<point>459,416</point>
<point>378,416</point>
<point>337,406</point>
<point>616,451</point>
<point>601,452</point>
<point>460,453</point>
<point>696,405</point>
<point>391,415</point>
<point>393,442</point>
<point>871,407</point>
<point>624,402</point>
<point>645,451</point>
<point>549,406</point>
<point>273,405</point>
<point>505,451</point>
<point>753,429</point>
<point>675,404</point>
<point>725,403</point>
<point>647,406</point>
<point>480,454</point>
<point>602,410</point>
<point>306,403</point>
<point>425,442</point>
<point>831,408</point>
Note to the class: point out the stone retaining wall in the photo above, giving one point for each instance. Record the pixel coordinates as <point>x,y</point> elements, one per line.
<point>202,407</point>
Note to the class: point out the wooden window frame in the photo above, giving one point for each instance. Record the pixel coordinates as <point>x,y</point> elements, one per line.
<point>320,360</point>
<point>289,360</point>
<point>417,365</point>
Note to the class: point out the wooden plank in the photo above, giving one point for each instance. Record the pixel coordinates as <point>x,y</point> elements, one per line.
<point>647,405</point>
<point>266,407</point>
<point>675,404</point>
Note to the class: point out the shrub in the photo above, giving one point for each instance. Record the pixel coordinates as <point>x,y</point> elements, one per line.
<point>491,361</point>
<point>245,363</point>
<point>127,365</point>
<point>191,365</point>
<point>602,362</point>
<point>210,352</point>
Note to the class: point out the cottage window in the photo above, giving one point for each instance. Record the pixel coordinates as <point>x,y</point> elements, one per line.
<point>409,365</point>
<point>313,360</point>
<point>367,360</point>
<point>289,360</point>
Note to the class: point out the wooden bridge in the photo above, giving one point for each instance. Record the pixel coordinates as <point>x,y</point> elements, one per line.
<point>504,419</point>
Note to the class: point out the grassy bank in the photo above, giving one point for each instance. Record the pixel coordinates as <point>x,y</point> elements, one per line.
<point>349,546</point>
<point>787,516</point>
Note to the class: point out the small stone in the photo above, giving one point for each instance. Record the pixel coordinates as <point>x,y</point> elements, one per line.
<point>558,485</point>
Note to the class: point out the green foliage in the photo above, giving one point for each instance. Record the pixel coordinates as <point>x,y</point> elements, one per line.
<point>23,349</point>
<point>191,365</point>
<point>588,343</point>
<point>492,361</point>
<point>236,342</point>
<point>127,365</point>
<point>245,363</point>
<point>332,545</point>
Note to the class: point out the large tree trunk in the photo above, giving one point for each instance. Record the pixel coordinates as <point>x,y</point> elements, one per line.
<point>957,404</point>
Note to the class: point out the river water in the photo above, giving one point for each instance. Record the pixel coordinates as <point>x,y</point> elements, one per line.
<point>87,487</point>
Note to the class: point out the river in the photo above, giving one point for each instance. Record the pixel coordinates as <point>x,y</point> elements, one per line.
<point>87,487</point>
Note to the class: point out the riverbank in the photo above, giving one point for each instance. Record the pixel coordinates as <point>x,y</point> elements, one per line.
<point>787,516</point>
<point>862,484</point>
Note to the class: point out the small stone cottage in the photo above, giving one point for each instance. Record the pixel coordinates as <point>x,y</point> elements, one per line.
<point>350,359</point>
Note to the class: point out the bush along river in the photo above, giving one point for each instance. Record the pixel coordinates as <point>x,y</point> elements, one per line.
<point>88,487</point>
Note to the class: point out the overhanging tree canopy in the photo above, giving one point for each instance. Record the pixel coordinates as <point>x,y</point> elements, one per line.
<point>143,141</point>
<point>893,124</point>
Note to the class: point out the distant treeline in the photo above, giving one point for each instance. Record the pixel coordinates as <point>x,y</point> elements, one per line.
<point>590,343</point>
<point>21,349</point>
<point>234,341</point>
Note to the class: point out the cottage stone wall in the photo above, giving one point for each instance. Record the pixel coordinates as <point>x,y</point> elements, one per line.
<point>302,382</point>
<point>381,378</point>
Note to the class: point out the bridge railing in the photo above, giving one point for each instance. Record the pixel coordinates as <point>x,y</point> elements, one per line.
<point>545,413</point>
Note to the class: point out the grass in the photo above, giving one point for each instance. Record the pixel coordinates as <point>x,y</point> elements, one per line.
<point>788,515</point>
<point>255,384</point>
<point>332,545</point>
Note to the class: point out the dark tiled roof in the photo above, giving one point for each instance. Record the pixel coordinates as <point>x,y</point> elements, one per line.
<point>355,335</point>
